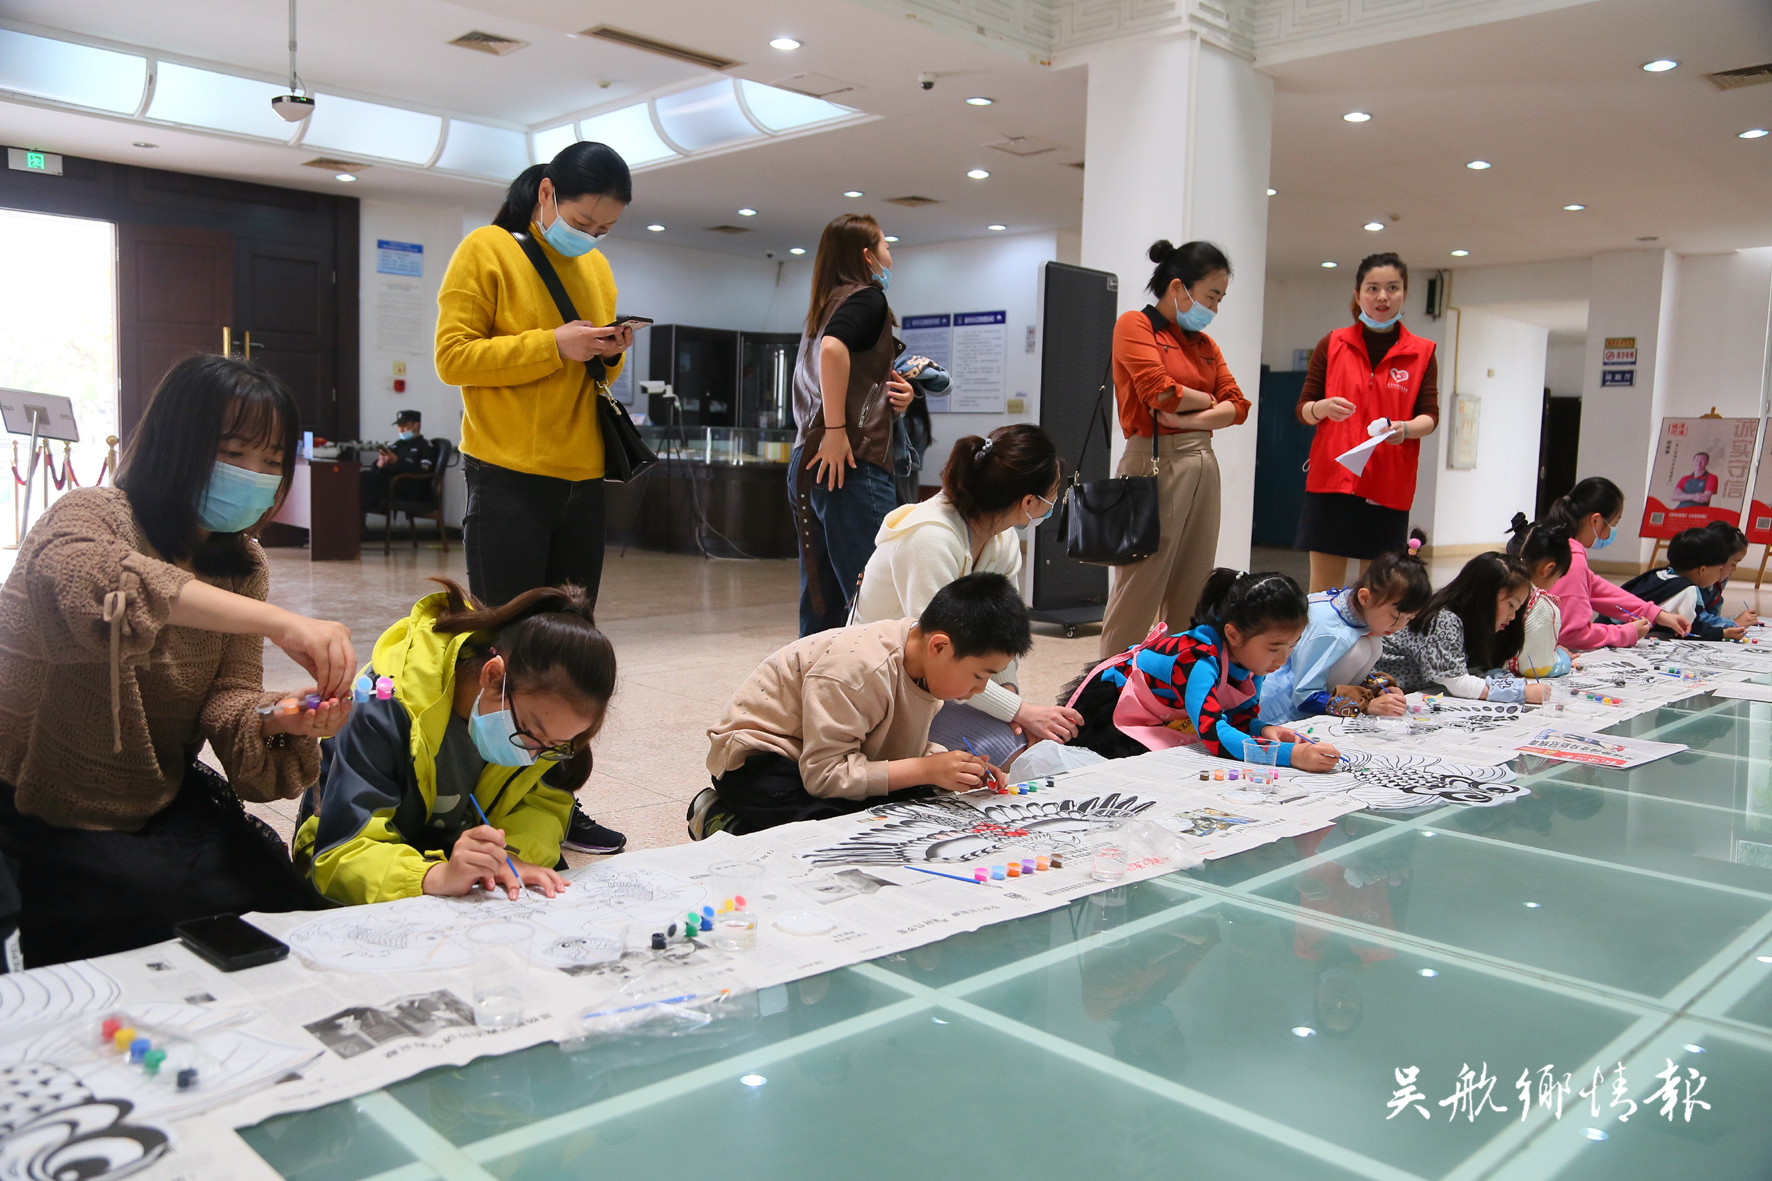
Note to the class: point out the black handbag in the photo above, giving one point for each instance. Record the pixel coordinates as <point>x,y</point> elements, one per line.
<point>625,453</point>
<point>1112,522</point>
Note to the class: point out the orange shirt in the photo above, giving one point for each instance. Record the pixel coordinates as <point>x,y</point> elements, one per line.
<point>1152,365</point>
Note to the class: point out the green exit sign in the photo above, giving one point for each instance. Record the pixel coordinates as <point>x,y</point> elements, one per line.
<point>33,160</point>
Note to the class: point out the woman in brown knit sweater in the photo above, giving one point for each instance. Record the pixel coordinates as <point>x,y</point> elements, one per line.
<point>130,635</point>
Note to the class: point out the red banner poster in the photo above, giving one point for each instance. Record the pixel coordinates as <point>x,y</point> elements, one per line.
<point>1700,473</point>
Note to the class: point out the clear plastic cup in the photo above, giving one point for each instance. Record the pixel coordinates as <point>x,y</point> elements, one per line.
<point>500,959</point>
<point>1261,760</point>
<point>735,930</point>
<point>1110,855</point>
<point>732,880</point>
<point>1561,694</point>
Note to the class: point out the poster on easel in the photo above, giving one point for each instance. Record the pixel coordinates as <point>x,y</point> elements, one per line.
<point>1700,473</point>
<point>1758,522</point>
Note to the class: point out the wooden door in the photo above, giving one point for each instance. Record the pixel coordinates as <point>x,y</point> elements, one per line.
<point>175,293</point>
<point>284,296</point>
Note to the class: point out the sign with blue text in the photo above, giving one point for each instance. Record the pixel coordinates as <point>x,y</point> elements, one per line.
<point>399,258</point>
<point>1618,377</point>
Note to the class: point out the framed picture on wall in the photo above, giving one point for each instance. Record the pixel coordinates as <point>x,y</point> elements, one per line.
<point>1467,417</point>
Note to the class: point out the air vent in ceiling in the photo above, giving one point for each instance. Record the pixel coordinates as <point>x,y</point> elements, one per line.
<point>815,85</point>
<point>682,53</point>
<point>911,202</point>
<point>331,165</point>
<point>728,230</point>
<point>488,43</point>
<point>1745,76</point>
<point>1024,145</point>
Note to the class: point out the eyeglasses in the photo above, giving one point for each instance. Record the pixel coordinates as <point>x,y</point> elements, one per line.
<point>524,740</point>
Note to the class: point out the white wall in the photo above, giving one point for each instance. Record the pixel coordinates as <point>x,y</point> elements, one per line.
<point>1717,356</point>
<point>1564,361</point>
<point>1300,312</point>
<point>1501,361</point>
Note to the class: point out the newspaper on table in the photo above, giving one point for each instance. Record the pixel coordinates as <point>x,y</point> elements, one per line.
<point>1597,750</point>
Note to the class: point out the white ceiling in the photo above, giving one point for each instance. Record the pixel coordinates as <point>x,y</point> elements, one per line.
<point>1556,101</point>
<point>396,49</point>
<point>1559,104</point>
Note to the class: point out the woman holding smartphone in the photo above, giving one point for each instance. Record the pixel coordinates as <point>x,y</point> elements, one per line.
<point>532,444</point>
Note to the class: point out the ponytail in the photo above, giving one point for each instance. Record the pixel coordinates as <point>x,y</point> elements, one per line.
<point>1398,578</point>
<point>1596,494</point>
<point>548,638</point>
<point>989,474</point>
<point>1251,602</point>
<point>1532,543</point>
<point>577,170</point>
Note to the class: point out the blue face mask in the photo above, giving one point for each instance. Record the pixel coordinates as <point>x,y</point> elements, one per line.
<point>1603,542</point>
<point>884,278</point>
<point>1195,319</point>
<point>406,436</point>
<point>1033,521</point>
<point>568,240</point>
<point>236,498</point>
<point>493,736</point>
<point>1380,325</point>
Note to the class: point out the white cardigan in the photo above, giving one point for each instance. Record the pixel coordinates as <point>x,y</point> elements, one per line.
<point>920,549</point>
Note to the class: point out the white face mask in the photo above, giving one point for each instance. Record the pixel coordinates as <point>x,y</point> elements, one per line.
<point>1041,519</point>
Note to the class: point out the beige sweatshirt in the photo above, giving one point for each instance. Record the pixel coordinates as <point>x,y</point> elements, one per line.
<point>102,702</point>
<point>839,703</point>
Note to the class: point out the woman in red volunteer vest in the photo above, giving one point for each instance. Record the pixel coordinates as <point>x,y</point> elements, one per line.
<point>1374,377</point>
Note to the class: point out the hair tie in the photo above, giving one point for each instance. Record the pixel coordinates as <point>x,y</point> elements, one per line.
<point>983,451</point>
<point>1414,545</point>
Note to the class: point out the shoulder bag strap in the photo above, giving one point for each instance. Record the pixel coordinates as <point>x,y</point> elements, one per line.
<point>1096,415</point>
<point>551,280</point>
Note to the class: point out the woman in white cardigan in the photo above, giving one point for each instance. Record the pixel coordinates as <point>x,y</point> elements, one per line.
<point>991,488</point>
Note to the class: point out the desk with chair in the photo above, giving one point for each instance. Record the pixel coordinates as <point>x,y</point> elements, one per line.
<point>420,494</point>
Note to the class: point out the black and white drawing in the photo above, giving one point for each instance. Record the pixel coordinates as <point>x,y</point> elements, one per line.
<point>952,830</point>
<point>362,1028</point>
<point>1395,781</point>
<point>52,1128</point>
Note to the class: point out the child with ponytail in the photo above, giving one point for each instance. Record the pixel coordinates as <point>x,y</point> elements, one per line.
<point>1470,629</point>
<point>1202,687</point>
<point>1332,669</point>
<point>1546,552</point>
<point>1589,514</point>
<point>465,776</point>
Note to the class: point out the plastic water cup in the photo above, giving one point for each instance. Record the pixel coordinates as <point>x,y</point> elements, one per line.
<point>734,880</point>
<point>500,958</point>
<point>1261,758</point>
<point>1560,695</point>
<point>1111,855</point>
<point>736,930</point>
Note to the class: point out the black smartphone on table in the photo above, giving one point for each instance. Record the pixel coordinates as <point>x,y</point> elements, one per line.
<point>230,942</point>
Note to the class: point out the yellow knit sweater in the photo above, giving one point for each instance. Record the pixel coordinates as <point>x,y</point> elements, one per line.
<point>528,409</point>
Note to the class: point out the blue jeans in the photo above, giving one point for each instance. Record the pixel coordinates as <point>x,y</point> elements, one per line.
<point>848,518</point>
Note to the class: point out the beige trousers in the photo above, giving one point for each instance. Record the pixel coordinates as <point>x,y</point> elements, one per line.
<point>1166,586</point>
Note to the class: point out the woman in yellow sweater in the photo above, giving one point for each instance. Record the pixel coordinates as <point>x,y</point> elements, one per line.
<point>533,447</point>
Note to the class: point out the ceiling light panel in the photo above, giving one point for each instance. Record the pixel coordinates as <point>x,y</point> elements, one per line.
<point>630,132</point>
<point>218,102</point>
<point>547,143</point>
<point>82,75</point>
<point>777,110</point>
<point>371,129</point>
<point>705,117</point>
<point>480,150</point>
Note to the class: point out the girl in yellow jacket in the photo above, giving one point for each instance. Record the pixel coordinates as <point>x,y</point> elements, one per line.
<point>460,778</point>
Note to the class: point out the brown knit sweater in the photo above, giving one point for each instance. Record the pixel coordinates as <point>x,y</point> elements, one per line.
<point>83,620</point>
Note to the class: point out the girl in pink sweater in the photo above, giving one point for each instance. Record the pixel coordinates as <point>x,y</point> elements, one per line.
<point>1590,513</point>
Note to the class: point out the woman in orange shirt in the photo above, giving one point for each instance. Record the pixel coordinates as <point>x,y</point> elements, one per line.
<point>1171,380</point>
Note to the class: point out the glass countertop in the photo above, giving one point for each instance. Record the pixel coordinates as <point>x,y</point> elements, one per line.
<point>1258,1017</point>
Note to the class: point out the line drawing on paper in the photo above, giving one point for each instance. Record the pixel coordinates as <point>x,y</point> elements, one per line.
<point>952,830</point>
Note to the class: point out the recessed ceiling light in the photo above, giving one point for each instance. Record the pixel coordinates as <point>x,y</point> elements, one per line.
<point>1273,192</point>
<point>1478,165</point>
<point>1357,117</point>
<point>1374,226</point>
<point>343,176</point>
<point>979,100</point>
<point>1574,208</point>
<point>752,1080</point>
<point>892,237</point>
<point>1428,972</point>
<point>853,193</point>
<point>141,143</point>
<point>1303,1031</point>
<point>995,226</point>
<point>978,174</point>
<point>797,250</point>
<point>1329,265</point>
<point>1660,65</point>
<point>656,228</point>
<point>1461,254</point>
<point>747,211</point>
<point>784,43</point>
<point>1753,133</point>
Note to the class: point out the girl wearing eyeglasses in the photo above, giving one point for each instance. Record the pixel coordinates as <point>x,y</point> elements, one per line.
<point>463,779</point>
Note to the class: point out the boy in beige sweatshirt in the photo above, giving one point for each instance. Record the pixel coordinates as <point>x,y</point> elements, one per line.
<point>840,719</point>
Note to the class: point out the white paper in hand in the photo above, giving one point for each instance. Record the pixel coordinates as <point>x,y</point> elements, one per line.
<point>1354,458</point>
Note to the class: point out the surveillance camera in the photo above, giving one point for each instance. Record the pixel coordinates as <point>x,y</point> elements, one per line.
<point>926,81</point>
<point>293,108</point>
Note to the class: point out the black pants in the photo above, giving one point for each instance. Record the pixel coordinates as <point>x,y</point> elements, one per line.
<point>767,790</point>
<point>85,893</point>
<point>522,531</point>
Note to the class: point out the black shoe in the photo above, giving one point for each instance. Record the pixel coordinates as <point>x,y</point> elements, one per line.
<point>587,836</point>
<point>704,816</point>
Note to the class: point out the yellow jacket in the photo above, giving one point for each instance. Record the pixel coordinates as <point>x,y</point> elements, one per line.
<point>528,409</point>
<point>369,837</point>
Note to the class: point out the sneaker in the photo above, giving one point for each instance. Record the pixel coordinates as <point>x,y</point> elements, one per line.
<point>704,815</point>
<point>587,836</point>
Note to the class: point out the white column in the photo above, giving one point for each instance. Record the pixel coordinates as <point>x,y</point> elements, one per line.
<point>1632,293</point>
<point>1177,146</point>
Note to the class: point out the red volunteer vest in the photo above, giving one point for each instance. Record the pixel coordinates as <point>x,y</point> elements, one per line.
<point>1389,392</point>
